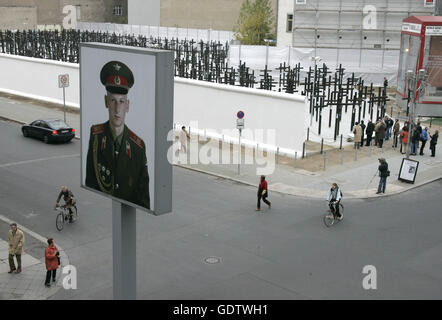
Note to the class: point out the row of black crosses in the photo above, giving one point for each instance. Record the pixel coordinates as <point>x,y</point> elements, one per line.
<point>326,89</point>
<point>208,61</point>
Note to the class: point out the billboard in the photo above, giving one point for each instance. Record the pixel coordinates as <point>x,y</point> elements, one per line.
<point>126,100</point>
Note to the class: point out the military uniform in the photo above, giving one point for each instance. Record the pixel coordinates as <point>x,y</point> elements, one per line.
<point>118,170</point>
<point>117,165</point>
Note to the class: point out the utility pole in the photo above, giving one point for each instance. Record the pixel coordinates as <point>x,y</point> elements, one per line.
<point>412,82</point>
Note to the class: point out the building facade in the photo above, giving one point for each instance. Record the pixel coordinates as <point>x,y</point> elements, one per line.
<point>30,14</point>
<point>345,24</point>
<point>194,14</point>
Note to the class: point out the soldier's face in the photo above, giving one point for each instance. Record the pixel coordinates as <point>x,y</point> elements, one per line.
<point>118,106</point>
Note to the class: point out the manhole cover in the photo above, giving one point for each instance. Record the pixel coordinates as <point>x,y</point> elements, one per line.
<point>212,260</point>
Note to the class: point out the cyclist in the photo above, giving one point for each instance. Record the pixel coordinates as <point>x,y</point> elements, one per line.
<point>68,198</point>
<point>334,198</point>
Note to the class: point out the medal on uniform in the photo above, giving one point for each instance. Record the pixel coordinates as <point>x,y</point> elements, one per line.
<point>103,143</point>
<point>128,148</point>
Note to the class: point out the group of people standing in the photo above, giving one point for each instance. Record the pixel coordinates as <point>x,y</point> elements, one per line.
<point>382,130</point>
<point>16,241</point>
<point>385,128</point>
<point>419,136</point>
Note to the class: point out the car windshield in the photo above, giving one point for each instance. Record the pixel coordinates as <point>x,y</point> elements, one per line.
<point>58,124</point>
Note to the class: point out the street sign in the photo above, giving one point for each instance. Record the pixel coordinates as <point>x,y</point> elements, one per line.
<point>63,80</point>
<point>239,123</point>
<point>240,114</point>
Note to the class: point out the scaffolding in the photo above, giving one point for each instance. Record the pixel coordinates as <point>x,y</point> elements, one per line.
<point>347,24</point>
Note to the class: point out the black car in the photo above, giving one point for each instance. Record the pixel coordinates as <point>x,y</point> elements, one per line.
<point>49,130</point>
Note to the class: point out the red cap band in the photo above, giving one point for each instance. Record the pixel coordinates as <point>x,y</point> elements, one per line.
<point>117,80</point>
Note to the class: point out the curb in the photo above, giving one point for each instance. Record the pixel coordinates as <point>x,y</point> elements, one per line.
<point>22,122</point>
<point>411,187</point>
<point>63,255</point>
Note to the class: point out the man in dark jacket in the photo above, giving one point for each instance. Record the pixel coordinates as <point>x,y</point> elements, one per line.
<point>363,130</point>
<point>383,174</point>
<point>414,141</point>
<point>433,143</point>
<point>369,131</point>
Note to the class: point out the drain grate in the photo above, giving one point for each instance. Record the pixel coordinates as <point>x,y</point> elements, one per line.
<point>212,260</point>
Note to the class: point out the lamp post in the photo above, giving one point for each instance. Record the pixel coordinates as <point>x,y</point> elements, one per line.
<point>267,41</point>
<point>315,59</point>
<point>412,82</point>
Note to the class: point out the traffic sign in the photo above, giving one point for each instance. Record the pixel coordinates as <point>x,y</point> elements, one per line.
<point>240,114</point>
<point>240,124</point>
<point>63,80</point>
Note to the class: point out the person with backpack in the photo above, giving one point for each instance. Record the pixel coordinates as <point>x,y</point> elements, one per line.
<point>383,174</point>
<point>334,198</point>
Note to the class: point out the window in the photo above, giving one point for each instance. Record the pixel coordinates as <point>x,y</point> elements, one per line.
<point>118,10</point>
<point>289,23</point>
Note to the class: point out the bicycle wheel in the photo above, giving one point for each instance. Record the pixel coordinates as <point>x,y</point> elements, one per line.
<point>59,221</point>
<point>341,210</point>
<point>74,213</point>
<point>329,219</point>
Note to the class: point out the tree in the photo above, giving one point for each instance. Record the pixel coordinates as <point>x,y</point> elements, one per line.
<point>255,22</point>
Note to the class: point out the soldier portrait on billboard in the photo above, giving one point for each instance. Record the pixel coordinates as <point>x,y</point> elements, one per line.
<point>116,158</point>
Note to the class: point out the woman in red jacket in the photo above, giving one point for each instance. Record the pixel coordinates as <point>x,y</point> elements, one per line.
<point>51,259</point>
<point>263,193</point>
<point>404,137</point>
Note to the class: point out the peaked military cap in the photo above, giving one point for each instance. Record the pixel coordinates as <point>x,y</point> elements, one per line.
<point>116,77</point>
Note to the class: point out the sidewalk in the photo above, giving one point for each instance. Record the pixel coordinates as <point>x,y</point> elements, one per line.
<point>29,284</point>
<point>308,179</point>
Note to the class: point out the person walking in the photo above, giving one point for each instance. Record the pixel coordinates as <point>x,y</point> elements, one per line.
<point>263,193</point>
<point>433,142</point>
<point>383,174</point>
<point>357,130</point>
<point>424,138</point>
<point>51,259</point>
<point>396,129</point>
<point>404,139</point>
<point>369,131</point>
<point>414,141</point>
<point>16,241</point>
<point>363,130</point>
<point>184,136</point>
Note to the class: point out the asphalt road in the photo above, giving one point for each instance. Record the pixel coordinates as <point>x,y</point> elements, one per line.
<point>284,253</point>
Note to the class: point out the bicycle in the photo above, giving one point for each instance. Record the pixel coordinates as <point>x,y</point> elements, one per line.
<point>63,216</point>
<point>330,218</point>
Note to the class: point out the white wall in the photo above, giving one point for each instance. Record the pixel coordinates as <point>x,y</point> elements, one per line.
<point>144,12</point>
<point>213,106</point>
<point>38,79</point>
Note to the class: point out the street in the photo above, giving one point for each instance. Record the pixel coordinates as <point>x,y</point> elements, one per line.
<point>282,253</point>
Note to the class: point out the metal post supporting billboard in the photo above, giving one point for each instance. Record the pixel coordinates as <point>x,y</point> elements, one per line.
<point>124,251</point>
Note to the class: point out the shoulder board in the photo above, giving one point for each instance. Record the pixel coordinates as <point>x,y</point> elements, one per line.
<point>137,140</point>
<point>98,128</point>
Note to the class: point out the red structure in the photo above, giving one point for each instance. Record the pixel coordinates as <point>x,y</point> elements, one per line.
<point>421,48</point>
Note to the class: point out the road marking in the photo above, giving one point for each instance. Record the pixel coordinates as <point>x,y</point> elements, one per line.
<point>37,160</point>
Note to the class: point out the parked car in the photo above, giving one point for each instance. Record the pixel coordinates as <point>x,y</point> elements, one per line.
<point>49,130</point>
